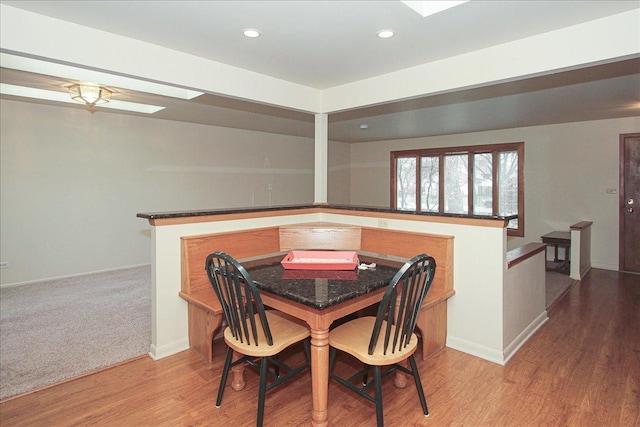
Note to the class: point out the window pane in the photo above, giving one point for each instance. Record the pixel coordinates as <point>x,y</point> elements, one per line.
<point>508,185</point>
<point>406,183</point>
<point>444,183</point>
<point>456,185</point>
<point>483,184</point>
<point>429,185</point>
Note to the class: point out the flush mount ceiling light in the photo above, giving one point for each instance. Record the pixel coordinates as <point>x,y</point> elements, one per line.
<point>252,33</point>
<point>90,94</point>
<point>50,95</point>
<point>385,34</point>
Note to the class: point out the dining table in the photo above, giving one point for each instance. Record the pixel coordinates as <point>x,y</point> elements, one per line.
<point>319,298</point>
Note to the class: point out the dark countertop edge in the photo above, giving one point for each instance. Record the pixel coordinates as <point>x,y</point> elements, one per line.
<point>581,225</point>
<point>227,211</point>
<point>220,211</point>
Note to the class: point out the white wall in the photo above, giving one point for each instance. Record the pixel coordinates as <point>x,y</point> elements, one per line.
<point>73,182</point>
<point>568,168</point>
<point>339,173</point>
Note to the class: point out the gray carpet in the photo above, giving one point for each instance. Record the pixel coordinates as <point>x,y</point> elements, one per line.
<point>60,329</point>
<point>557,285</point>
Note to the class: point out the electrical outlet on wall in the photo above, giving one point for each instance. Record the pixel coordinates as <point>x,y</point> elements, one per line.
<point>4,264</point>
<point>383,223</point>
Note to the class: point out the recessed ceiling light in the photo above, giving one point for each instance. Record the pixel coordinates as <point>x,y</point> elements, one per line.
<point>363,126</point>
<point>251,33</point>
<point>385,34</point>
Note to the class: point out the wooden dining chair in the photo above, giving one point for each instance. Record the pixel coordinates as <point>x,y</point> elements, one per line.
<point>259,335</point>
<point>387,340</point>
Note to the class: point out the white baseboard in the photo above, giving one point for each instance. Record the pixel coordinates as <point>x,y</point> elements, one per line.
<point>474,349</point>
<point>170,349</point>
<point>70,276</point>
<point>604,266</point>
<point>524,336</point>
<point>493,355</point>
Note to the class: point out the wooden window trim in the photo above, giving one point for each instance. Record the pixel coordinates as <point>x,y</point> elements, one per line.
<point>470,150</point>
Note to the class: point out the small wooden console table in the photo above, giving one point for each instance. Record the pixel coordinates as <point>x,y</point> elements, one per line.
<point>559,239</point>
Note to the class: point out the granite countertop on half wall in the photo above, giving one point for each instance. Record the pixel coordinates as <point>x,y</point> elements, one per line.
<point>228,211</point>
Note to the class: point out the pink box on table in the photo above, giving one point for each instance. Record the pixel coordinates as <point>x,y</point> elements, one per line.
<point>320,260</point>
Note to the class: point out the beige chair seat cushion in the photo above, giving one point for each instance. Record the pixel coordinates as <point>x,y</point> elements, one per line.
<point>284,333</point>
<point>353,337</point>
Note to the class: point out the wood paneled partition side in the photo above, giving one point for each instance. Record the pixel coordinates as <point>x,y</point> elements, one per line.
<point>320,235</point>
<point>406,245</point>
<point>238,244</point>
<point>432,321</point>
<point>205,312</point>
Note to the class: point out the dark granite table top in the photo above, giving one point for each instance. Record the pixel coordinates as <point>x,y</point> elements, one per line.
<point>321,289</point>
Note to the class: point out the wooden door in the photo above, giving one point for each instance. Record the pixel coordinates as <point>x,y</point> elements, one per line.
<point>630,202</point>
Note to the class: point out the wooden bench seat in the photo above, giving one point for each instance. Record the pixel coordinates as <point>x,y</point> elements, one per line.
<point>205,319</point>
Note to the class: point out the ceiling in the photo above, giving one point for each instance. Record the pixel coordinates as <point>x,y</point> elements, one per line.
<point>324,44</point>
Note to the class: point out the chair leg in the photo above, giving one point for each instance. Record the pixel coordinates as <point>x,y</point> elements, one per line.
<point>264,365</point>
<point>416,378</point>
<point>225,373</point>
<point>332,358</point>
<point>378,388</point>
<point>306,344</point>
<point>365,376</point>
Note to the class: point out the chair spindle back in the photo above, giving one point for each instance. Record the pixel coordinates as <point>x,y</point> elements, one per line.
<point>239,298</point>
<point>401,303</point>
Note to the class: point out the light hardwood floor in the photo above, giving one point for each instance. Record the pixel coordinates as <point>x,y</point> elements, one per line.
<point>582,368</point>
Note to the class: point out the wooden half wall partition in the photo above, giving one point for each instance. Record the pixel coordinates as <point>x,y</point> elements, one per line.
<point>580,249</point>
<point>523,298</point>
<point>205,313</point>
